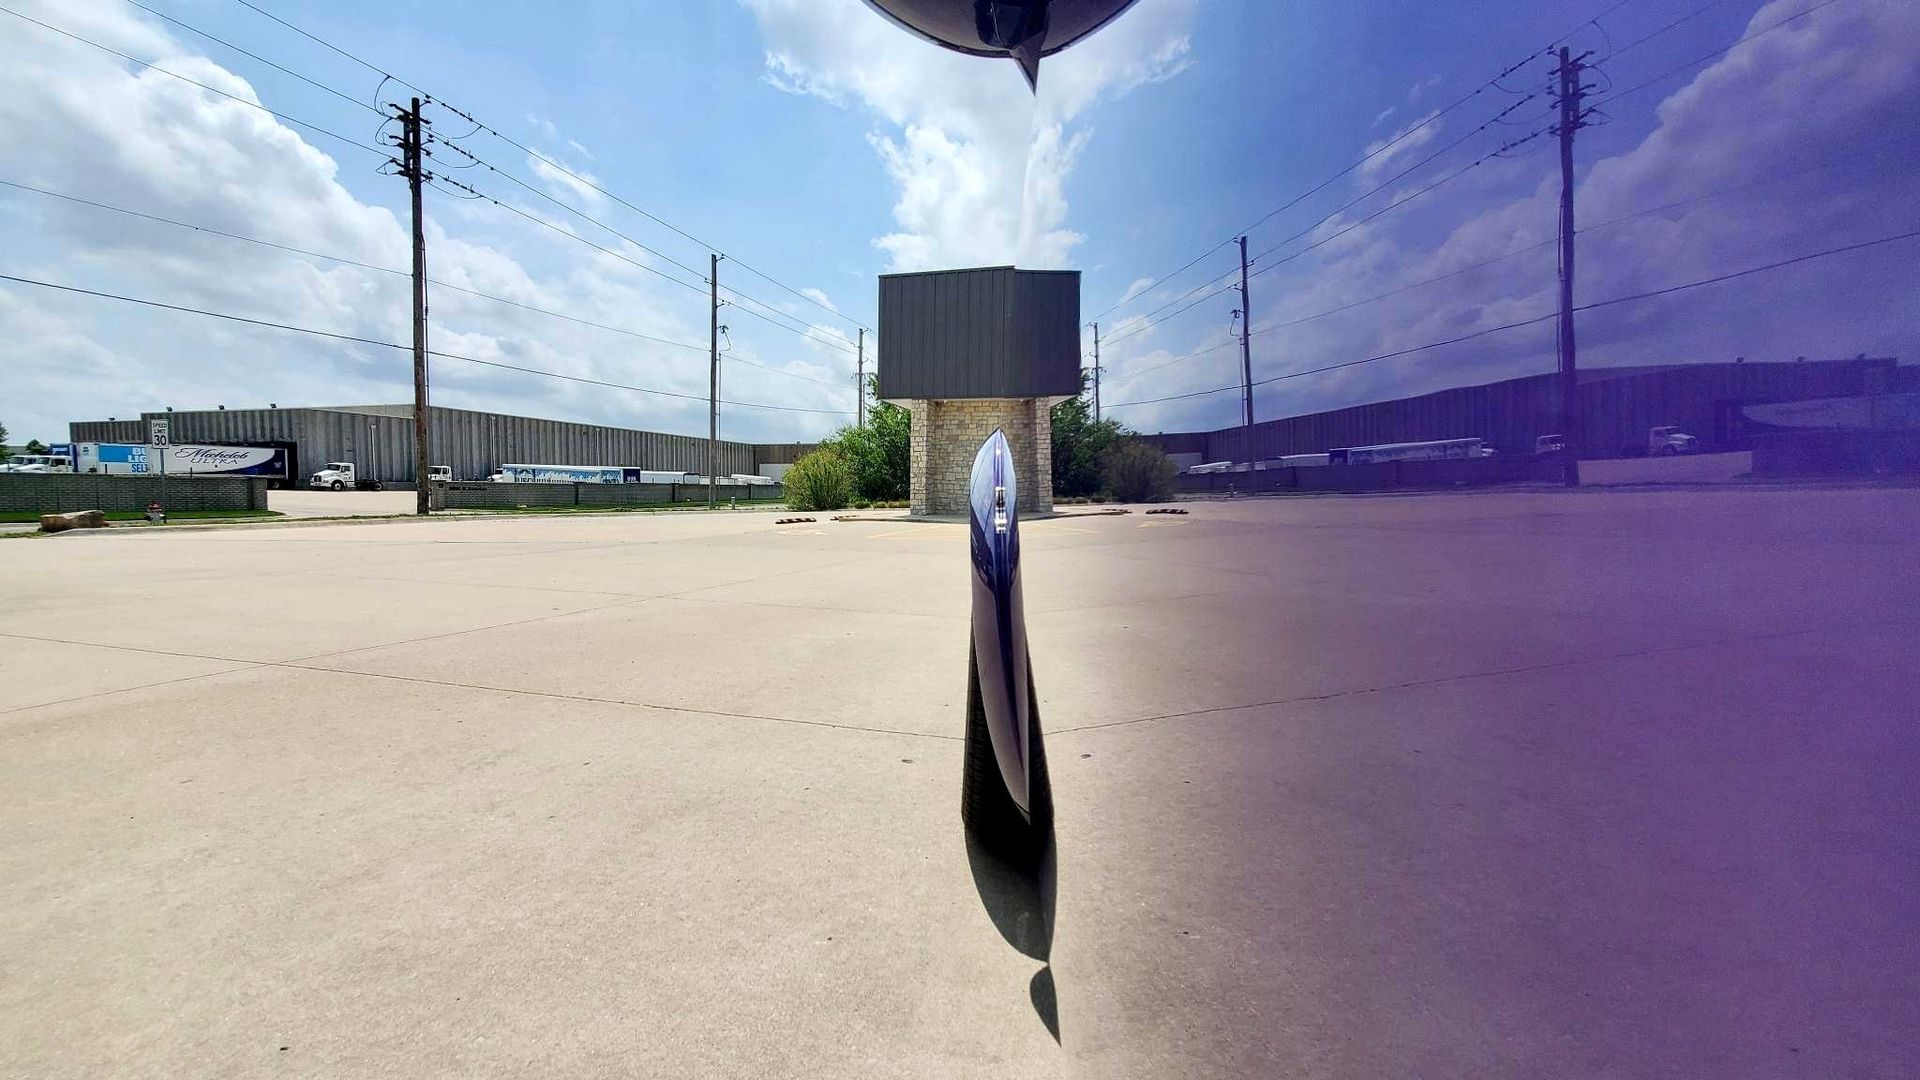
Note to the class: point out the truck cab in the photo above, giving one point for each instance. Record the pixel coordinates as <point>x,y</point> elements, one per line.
<point>440,474</point>
<point>1670,440</point>
<point>339,476</point>
<point>38,463</point>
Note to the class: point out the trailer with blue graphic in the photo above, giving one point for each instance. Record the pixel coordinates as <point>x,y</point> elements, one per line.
<point>185,460</point>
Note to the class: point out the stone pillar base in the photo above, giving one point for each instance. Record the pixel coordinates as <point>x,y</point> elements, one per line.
<point>947,435</point>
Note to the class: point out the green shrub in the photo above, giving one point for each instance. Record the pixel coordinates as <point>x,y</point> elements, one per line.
<point>820,481</point>
<point>1138,472</point>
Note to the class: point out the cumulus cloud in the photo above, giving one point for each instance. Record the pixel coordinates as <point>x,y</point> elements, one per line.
<point>1402,145</point>
<point>980,164</point>
<point>1793,129</point>
<point>81,122</point>
<point>582,186</point>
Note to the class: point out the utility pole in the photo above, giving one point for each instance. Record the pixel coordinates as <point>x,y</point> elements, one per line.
<point>713,381</point>
<point>412,155</point>
<point>860,383</point>
<point>1246,354</point>
<point>1096,373</point>
<point>1572,422</point>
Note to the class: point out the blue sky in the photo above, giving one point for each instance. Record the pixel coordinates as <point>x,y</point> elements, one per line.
<point>819,144</point>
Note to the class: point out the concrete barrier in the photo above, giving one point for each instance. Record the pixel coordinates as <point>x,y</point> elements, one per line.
<point>1837,453</point>
<point>50,493</point>
<point>482,495</point>
<point>1376,476</point>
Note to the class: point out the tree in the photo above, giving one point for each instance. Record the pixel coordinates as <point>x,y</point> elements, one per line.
<point>3,439</point>
<point>1079,441</point>
<point>878,455</point>
<point>1137,471</point>
<point>34,446</point>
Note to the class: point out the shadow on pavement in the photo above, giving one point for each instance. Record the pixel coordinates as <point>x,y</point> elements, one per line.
<point>1017,889</point>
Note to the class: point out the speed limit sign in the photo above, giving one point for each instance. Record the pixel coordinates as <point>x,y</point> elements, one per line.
<point>157,433</point>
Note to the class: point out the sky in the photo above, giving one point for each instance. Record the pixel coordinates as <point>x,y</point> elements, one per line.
<point>816,146</point>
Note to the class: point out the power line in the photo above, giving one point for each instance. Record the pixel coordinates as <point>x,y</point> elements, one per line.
<point>1322,185</point>
<point>328,44</point>
<point>154,66</point>
<point>1523,249</point>
<point>400,273</point>
<point>1644,38</point>
<point>350,99</point>
<point>1649,294</point>
<point>396,345</point>
<point>801,328</point>
<point>1401,175</point>
<point>1397,203</point>
<point>562,204</point>
<point>436,181</point>
<point>1148,321</point>
<point>549,162</point>
<point>1703,58</point>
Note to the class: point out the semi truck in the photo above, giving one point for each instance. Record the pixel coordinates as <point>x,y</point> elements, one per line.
<point>341,475</point>
<point>184,459</point>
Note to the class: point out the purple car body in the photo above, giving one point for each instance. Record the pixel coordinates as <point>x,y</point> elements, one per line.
<point>999,620</point>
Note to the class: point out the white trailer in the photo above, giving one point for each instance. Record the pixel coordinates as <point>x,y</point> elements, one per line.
<point>1433,450</point>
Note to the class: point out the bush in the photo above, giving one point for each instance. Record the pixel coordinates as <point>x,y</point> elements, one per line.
<point>1138,472</point>
<point>820,481</point>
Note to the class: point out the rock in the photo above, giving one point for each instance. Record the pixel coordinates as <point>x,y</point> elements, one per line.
<point>77,519</point>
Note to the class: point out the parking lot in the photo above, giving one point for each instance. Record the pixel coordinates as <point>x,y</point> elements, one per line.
<point>1509,783</point>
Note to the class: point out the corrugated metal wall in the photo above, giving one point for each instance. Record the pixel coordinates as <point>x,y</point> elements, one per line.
<point>1618,405</point>
<point>475,444</point>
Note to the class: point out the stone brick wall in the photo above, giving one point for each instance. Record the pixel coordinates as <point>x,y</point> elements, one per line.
<point>947,434</point>
<point>55,493</point>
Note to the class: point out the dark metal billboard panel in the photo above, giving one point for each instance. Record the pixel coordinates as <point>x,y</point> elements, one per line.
<point>992,332</point>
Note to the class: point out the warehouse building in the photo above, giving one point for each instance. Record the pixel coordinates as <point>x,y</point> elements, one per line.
<point>1617,407</point>
<point>378,439</point>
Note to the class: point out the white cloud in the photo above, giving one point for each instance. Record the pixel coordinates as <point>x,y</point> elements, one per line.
<point>818,296</point>
<point>1135,288</point>
<point>1402,145</point>
<point>569,181</point>
<point>75,120</point>
<point>980,164</point>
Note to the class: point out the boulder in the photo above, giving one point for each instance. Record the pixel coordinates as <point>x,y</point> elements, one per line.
<point>77,519</point>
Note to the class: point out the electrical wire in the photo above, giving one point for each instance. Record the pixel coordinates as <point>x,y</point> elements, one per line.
<point>1523,249</point>
<point>1703,58</point>
<point>348,98</point>
<point>549,162</point>
<point>396,345</point>
<point>1630,298</point>
<point>1643,39</point>
<point>562,204</point>
<point>154,66</point>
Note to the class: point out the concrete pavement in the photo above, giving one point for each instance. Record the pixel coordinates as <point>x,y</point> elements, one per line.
<point>1499,784</point>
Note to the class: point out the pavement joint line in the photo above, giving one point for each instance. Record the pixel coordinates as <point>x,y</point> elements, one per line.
<point>128,648</point>
<point>591,699</point>
<point>803,607</point>
<point>240,666</point>
<point>1471,676</point>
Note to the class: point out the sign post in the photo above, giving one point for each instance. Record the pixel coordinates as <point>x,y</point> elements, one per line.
<point>158,438</point>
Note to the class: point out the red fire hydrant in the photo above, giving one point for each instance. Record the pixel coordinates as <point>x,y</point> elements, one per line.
<point>156,513</point>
